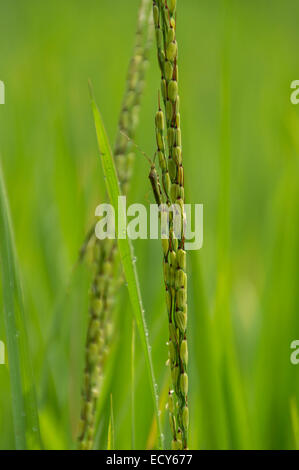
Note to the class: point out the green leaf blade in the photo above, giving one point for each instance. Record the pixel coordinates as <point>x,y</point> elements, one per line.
<point>24,409</point>
<point>126,254</point>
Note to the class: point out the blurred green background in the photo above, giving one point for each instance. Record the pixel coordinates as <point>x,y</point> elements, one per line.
<point>241,147</point>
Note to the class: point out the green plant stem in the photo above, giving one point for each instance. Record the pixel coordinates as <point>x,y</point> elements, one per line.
<point>133,385</point>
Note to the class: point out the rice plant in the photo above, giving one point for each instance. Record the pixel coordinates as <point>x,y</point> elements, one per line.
<point>91,354</point>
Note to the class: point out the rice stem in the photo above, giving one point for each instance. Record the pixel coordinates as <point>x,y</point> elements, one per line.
<point>174,255</point>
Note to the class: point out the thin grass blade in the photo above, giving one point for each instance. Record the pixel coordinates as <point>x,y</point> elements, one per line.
<point>133,385</point>
<point>126,252</point>
<point>24,409</point>
<point>110,443</point>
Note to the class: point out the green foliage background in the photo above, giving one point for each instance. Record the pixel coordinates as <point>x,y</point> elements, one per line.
<point>241,147</point>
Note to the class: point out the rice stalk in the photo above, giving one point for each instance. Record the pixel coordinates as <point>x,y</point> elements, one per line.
<point>174,255</point>
<point>129,115</point>
<point>108,277</point>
